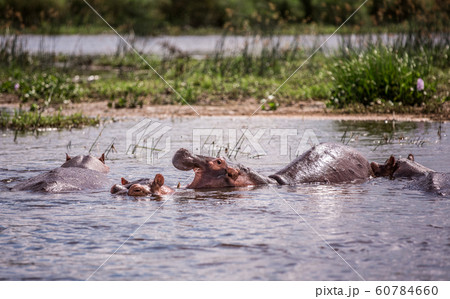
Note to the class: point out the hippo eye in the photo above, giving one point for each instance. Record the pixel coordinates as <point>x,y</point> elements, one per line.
<point>219,162</point>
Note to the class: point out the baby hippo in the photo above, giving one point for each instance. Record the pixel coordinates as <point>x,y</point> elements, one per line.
<point>143,187</point>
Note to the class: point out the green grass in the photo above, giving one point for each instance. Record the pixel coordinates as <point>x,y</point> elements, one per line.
<point>213,79</point>
<point>380,75</point>
<point>54,86</point>
<point>367,78</point>
<point>377,76</point>
<point>33,120</point>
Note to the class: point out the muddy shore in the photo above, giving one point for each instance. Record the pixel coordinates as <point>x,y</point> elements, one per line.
<point>306,110</point>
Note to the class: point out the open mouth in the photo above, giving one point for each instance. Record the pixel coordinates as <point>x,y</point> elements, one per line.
<point>184,160</point>
<point>209,172</point>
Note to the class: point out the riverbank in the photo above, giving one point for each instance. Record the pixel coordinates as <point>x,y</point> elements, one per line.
<point>304,110</point>
<point>248,108</point>
<point>378,82</point>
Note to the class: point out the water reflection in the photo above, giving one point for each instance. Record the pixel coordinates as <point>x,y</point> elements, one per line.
<point>377,128</point>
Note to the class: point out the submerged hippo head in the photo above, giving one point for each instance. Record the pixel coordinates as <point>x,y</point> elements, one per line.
<point>143,187</point>
<point>215,172</point>
<point>155,188</point>
<point>89,162</point>
<point>400,168</point>
<point>385,170</point>
<point>139,190</point>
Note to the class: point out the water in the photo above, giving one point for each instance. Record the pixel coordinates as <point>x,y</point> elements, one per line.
<point>191,45</point>
<point>383,231</point>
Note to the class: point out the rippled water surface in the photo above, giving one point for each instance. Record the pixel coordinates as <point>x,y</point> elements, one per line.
<point>379,230</point>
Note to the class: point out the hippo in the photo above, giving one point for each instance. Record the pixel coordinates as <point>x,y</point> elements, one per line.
<point>143,187</point>
<point>434,182</point>
<point>423,178</point>
<point>401,168</point>
<point>323,163</point>
<point>77,173</point>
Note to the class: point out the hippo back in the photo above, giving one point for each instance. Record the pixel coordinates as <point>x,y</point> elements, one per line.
<point>326,163</point>
<point>88,162</point>
<point>64,179</point>
<point>435,182</point>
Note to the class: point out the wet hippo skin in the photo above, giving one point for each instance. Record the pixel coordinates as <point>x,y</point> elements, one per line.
<point>423,178</point>
<point>401,168</point>
<point>435,182</point>
<point>324,163</point>
<point>78,173</point>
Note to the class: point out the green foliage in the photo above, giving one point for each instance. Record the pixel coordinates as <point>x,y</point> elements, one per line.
<point>22,14</point>
<point>193,13</point>
<point>37,86</point>
<point>271,106</point>
<point>358,77</point>
<point>32,120</point>
<point>139,16</point>
<point>336,12</point>
<point>380,75</point>
<point>150,17</point>
<point>216,78</point>
<point>131,101</point>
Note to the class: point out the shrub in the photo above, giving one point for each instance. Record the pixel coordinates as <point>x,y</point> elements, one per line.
<point>380,74</point>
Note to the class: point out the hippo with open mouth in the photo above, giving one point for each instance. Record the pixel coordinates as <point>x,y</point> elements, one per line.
<point>423,178</point>
<point>143,187</point>
<point>324,163</point>
<point>77,173</point>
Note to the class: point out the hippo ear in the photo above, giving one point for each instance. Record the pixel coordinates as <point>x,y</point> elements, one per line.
<point>159,180</point>
<point>67,157</point>
<point>411,157</point>
<point>375,168</point>
<point>124,181</point>
<point>390,161</point>
<point>102,158</point>
<point>157,184</point>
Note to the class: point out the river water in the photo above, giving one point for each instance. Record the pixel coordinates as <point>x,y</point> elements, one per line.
<point>190,44</point>
<point>378,230</point>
